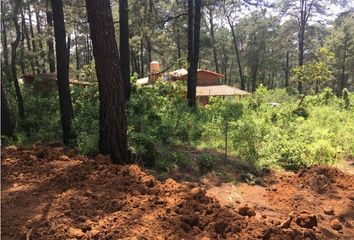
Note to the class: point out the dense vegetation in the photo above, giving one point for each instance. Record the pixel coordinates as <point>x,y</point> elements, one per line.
<point>298,64</point>
<point>265,130</point>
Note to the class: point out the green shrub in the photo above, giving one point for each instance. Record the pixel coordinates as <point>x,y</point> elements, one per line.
<point>345,98</point>
<point>327,95</point>
<point>245,136</point>
<point>301,112</point>
<point>206,163</point>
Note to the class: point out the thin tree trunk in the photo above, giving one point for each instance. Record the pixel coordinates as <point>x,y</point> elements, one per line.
<point>287,69</point>
<point>225,63</point>
<point>212,34</point>
<point>22,49</point>
<point>89,55</point>
<point>34,45</point>
<point>343,81</point>
<point>302,25</point>
<point>242,80</point>
<point>5,51</point>
<point>301,54</point>
<point>254,69</point>
<point>272,80</point>
<point>50,42</point>
<point>28,41</point>
<point>230,73</point>
<point>112,119</point>
<point>76,49</point>
<point>62,56</point>
<point>124,46</point>
<point>179,54</point>
<point>149,49</point>
<point>7,118</point>
<point>137,63</point>
<point>85,55</point>
<point>14,45</point>
<point>40,44</point>
<point>141,58</point>
<point>132,66</point>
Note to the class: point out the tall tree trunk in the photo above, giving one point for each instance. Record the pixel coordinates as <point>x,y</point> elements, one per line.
<point>89,55</point>
<point>40,44</point>
<point>192,69</point>
<point>212,34</point>
<point>68,46</point>
<point>14,45</point>
<point>7,118</point>
<point>301,54</point>
<point>22,49</point>
<point>225,63</point>
<point>230,72</point>
<point>179,54</point>
<point>141,58</point>
<point>316,87</point>
<point>254,70</point>
<point>287,69</point>
<point>76,49</point>
<point>34,45</point>
<point>50,42</point>
<point>135,61</point>
<point>238,59</point>
<point>124,46</point>
<point>343,79</point>
<point>62,55</point>
<point>132,65</point>
<point>196,36</point>
<point>301,36</point>
<point>112,119</point>
<point>85,55</point>
<point>255,62</point>
<point>5,51</point>
<point>149,50</point>
<point>28,41</point>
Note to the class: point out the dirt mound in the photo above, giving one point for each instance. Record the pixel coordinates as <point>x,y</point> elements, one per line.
<point>49,193</point>
<point>323,179</point>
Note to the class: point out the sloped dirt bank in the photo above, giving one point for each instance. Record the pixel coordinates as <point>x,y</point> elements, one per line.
<point>47,194</point>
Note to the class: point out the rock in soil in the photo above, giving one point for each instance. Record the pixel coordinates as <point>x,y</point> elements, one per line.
<point>336,225</point>
<point>328,211</point>
<point>246,210</point>
<point>306,220</point>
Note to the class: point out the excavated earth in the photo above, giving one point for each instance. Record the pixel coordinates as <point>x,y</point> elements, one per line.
<point>49,193</point>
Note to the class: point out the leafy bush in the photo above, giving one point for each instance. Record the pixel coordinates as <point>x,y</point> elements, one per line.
<point>206,163</point>
<point>42,124</point>
<point>301,112</point>
<point>346,99</point>
<point>85,122</point>
<point>158,118</point>
<point>327,95</point>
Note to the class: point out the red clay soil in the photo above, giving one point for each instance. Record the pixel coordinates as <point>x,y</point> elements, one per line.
<point>49,194</point>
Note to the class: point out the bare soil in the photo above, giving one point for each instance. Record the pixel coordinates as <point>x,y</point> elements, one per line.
<point>49,193</point>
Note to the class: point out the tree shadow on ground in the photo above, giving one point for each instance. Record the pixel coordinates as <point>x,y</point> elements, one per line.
<point>216,169</point>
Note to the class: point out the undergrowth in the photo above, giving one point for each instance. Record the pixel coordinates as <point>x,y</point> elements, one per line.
<point>267,129</point>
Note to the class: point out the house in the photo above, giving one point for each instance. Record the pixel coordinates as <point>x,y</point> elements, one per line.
<point>207,83</point>
<point>46,81</point>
